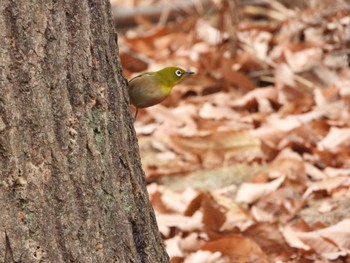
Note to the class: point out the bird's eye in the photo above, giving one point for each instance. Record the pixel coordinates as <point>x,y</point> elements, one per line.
<point>178,73</point>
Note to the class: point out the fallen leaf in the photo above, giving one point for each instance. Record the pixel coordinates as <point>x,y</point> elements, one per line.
<point>214,214</point>
<point>261,216</point>
<point>235,77</point>
<point>235,215</point>
<point>237,249</point>
<point>331,242</point>
<point>289,164</point>
<point>291,236</point>
<point>335,139</point>
<point>185,223</point>
<point>249,192</point>
<point>268,93</point>
<point>206,257</point>
<point>315,173</point>
<point>303,60</point>
<point>270,240</point>
<point>218,146</point>
<point>208,33</point>
<point>173,247</point>
<point>339,234</point>
<point>328,184</point>
<point>191,243</point>
<point>215,112</point>
<point>334,172</point>
<point>325,207</point>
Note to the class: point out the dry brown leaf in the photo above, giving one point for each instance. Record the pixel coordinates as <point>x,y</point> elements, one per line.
<point>173,121</point>
<point>238,249</point>
<point>194,205</point>
<point>289,164</point>
<point>208,33</point>
<point>339,234</point>
<point>168,42</point>
<point>214,214</point>
<point>270,240</point>
<point>262,216</point>
<point>166,201</point>
<point>328,78</point>
<point>198,50</point>
<point>145,129</point>
<point>268,93</point>
<point>325,207</point>
<point>172,201</point>
<point>315,173</point>
<point>257,42</point>
<point>181,165</point>
<point>303,60</point>
<point>206,257</point>
<point>291,236</point>
<point>285,202</point>
<point>235,216</point>
<point>335,139</point>
<point>249,192</point>
<point>227,191</point>
<point>218,145</point>
<point>331,242</point>
<point>184,223</point>
<point>181,198</point>
<point>132,63</point>
<point>328,184</point>
<point>323,97</point>
<point>143,43</point>
<point>173,247</point>
<point>334,172</point>
<point>216,112</point>
<point>191,243</point>
<point>284,76</point>
<point>277,128</point>
<point>235,77</point>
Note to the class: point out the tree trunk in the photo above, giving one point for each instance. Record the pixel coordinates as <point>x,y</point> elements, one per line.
<point>71,183</point>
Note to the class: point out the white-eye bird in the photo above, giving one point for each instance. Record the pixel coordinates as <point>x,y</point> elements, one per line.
<point>151,88</point>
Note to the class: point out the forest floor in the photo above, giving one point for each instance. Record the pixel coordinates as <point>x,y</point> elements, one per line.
<point>248,160</point>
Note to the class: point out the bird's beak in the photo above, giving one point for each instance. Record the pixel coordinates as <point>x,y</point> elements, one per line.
<point>189,72</point>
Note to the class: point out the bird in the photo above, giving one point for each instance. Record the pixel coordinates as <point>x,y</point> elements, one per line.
<point>151,88</point>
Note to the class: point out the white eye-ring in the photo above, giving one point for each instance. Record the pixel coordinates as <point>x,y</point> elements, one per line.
<point>178,73</point>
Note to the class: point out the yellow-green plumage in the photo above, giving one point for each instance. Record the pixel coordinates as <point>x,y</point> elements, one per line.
<point>151,88</point>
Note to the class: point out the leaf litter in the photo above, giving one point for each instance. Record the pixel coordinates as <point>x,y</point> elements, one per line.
<point>249,159</point>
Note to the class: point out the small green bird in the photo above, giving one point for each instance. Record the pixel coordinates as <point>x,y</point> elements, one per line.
<point>151,88</point>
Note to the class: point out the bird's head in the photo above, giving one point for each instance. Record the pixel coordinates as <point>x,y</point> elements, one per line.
<point>172,75</point>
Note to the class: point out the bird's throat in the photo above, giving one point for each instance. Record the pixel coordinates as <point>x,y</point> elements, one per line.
<point>166,89</point>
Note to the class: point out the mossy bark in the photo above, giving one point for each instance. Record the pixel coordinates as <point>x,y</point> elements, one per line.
<point>71,183</point>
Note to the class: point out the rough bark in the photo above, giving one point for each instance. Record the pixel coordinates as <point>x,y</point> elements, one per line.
<point>71,183</point>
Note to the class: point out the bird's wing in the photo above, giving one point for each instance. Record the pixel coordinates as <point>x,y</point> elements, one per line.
<point>143,74</point>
